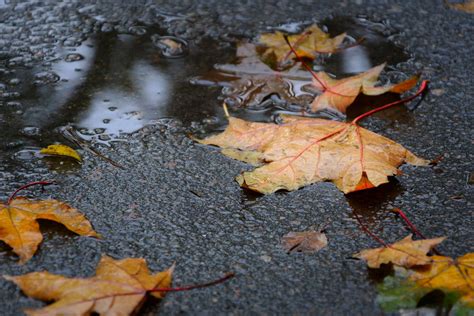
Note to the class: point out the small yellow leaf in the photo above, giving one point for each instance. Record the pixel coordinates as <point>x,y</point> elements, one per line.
<point>60,150</point>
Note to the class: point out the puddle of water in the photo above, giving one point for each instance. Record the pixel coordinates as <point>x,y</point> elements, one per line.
<point>109,85</point>
<point>251,84</point>
<point>117,83</point>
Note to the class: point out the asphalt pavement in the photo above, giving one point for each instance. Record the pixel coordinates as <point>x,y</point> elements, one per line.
<point>177,202</point>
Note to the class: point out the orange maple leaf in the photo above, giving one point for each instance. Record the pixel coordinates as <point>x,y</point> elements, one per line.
<point>302,151</point>
<point>340,94</point>
<point>119,288</point>
<point>20,230</point>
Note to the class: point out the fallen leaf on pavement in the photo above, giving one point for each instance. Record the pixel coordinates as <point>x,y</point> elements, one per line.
<point>307,242</point>
<point>340,94</point>
<point>301,151</point>
<point>311,42</point>
<point>454,277</point>
<point>119,288</point>
<point>467,6</point>
<point>405,253</point>
<point>448,274</point>
<point>20,230</point>
<point>60,150</point>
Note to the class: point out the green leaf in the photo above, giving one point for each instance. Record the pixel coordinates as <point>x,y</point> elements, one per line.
<point>397,293</point>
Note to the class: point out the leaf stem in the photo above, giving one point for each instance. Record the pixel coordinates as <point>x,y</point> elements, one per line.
<point>42,183</point>
<point>367,230</point>
<point>226,277</point>
<point>412,227</point>
<point>315,76</point>
<point>423,86</point>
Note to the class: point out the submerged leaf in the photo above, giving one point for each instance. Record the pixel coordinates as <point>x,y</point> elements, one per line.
<point>307,242</point>
<point>250,81</point>
<point>405,253</point>
<point>60,150</point>
<point>310,43</point>
<point>119,288</point>
<point>302,151</point>
<point>20,230</point>
<point>340,94</point>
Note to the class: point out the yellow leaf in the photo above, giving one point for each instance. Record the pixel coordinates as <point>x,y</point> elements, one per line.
<point>448,274</point>
<point>302,151</point>
<point>311,42</point>
<point>20,230</point>
<point>60,150</point>
<point>340,94</point>
<point>119,288</point>
<point>467,6</point>
<point>406,253</point>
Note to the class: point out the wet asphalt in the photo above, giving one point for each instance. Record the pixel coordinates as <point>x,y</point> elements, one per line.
<point>177,201</point>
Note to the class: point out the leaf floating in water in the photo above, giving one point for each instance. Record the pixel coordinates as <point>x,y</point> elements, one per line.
<point>61,150</point>
<point>340,94</point>
<point>309,44</point>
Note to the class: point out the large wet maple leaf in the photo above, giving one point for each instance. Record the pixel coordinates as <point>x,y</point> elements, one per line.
<point>119,288</point>
<point>406,253</point>
<point>20,230</point>
<point>311,42</point>
<point>340,94</point>
<point>301,151</point>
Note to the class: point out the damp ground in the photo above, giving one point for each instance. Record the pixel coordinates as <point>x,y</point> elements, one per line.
<point>98,69</point>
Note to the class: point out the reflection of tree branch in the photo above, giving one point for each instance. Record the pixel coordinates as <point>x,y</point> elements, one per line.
<point>96,79</point>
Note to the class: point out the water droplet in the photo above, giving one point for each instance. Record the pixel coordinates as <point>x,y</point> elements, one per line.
<point>46,77</point>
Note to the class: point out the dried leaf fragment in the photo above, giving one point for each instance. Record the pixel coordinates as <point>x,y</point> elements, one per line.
<point>302,151</point>
<point>60,150</point>
<point>20,230</point>
<point>340,94</point>
<point>119,288</point>
<point>307,242</point>
<point>311,42</point>
<point>406,253</point>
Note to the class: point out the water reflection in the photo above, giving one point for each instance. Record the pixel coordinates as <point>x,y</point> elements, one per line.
<point>114,110</point>
<point>354,60</point>
<point>371,205</point>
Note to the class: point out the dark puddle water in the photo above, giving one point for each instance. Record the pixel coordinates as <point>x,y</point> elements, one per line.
<point>110,85</point>
<point>246,88</point>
